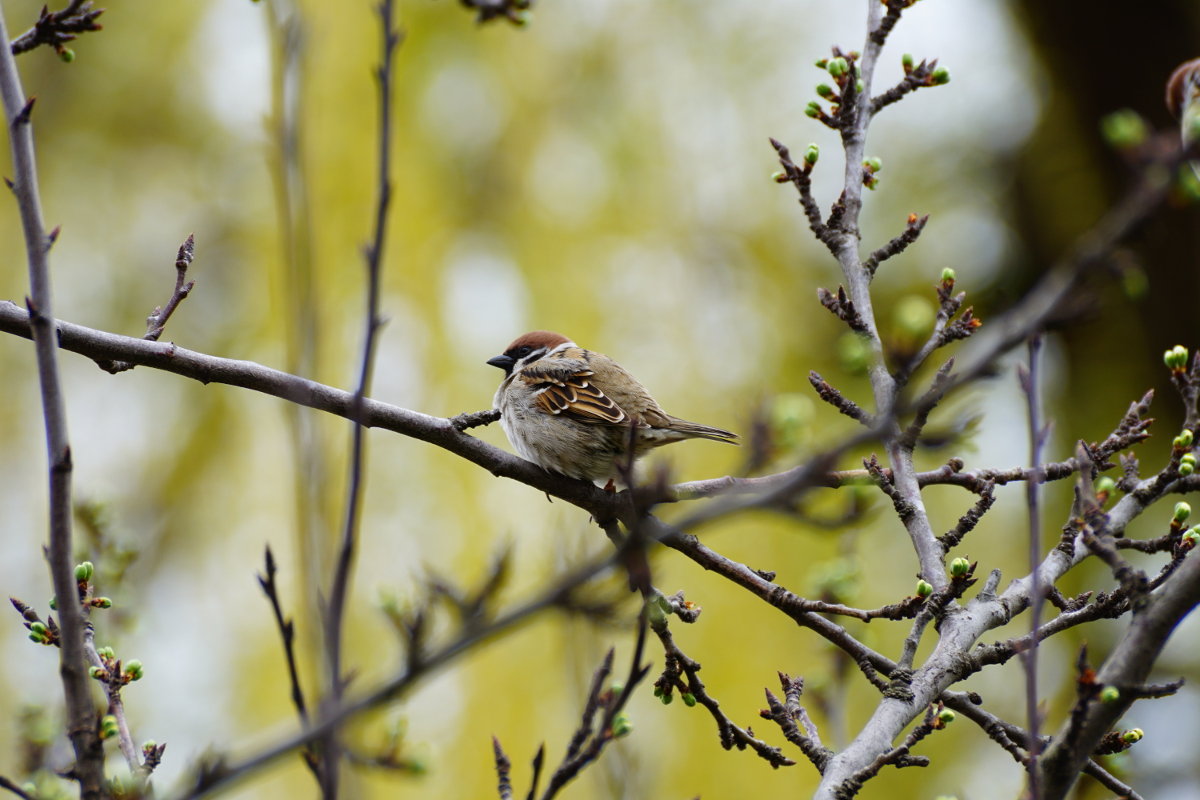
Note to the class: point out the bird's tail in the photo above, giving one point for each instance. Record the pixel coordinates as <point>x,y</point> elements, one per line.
<point>699,431</point>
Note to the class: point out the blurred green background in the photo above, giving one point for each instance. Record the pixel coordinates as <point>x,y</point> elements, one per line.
<point>605,172</point>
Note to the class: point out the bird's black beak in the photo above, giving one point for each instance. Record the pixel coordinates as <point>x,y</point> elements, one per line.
<point>503,362</point>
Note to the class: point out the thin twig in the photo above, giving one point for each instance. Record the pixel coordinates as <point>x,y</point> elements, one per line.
<point>1037,438</point>
<point>335,614</point>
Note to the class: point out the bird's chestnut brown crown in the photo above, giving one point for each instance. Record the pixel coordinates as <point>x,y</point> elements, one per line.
<point>534,342</point>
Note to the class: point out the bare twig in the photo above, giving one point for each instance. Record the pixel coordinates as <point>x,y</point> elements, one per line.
<point>335,614</point>
<point>157,321</point>
<point>1037,438</point>
<point>287,634</point>
<point>80,709</point>
<point>56,28</point>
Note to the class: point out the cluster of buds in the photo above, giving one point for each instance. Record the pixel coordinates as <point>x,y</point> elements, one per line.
<point>39,633</point>
<point>131,671</point>
<point>1176,359</point>
<point>926,73</point>
<point>843,69</point>
<point>870,167</point>
<point>811,154</point>
<point>924,589</point>
<point>84,571</point>
<point>664,691</point>
<point>1104,486</point>
<point>961,569</point>
<point>1187,464</point>
<point>943,718</point>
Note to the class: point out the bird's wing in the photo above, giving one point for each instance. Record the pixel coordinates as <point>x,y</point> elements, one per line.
<point>567,388</point>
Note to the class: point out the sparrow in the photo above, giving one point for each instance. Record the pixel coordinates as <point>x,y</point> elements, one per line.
<point>576,412</point>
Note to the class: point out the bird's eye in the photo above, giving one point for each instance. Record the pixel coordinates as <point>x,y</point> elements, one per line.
<point>523,351</point>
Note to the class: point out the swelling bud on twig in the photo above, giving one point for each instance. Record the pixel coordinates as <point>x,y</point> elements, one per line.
<point>133,670</point>
<point>812,154</point>
<point>109,727</point>
<point>1110,694</point>
<point>924,588</point>
<point>1132,736</point>
<point>1124,129</point>
<point>688,699</point>
<point>838,67</point>
<point>813,109</point>
<point>940,76</point>
<point>1189,540</point>
<point>1176,358</point>
<point>959,567</point>
<point>1184,439</point>
<point>1104,487</point>
<point>906,61</point>
<point>621,725</point>
<point>825,90</point>
<point>948,275</point>
<point>84,572</point>
<point>1187,464</point>
<point>1182,512</point>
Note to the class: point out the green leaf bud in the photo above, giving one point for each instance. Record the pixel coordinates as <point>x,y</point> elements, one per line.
<point>1190,539</point>
<point>37,638</point>
<point>1185,438</point>
<point>622,725</point>
<point>873,164</point>
<point>688,699</point>
<point>38,628</point>
<point>813,109</point>
<point>948,275</point>
<point>98,673</point>
<point>838,67</point>
<point>924,588</point>
<point>134,669</point>
<point>106,652</point>
<point>1187,468</point>
<point>1110,694</point>
<point>66,55</point>
<point>1132,736</point>
<point>779,177</point>
<point>84,571</point>
<point>825,90</point>
<point>1182,512</point>
<point>1124,129</point>
<point>108,726</point>
<point>959,567</point>
<point>946,716</point>
<point>54,603</point>
<point>822,63</point>
<point>860,87</point>
<point>812,154</point>
<point>102,602</point>
<point>906,61</point>
<point>666,698</point>
<point>940,76</point>
<point>1105,485</point>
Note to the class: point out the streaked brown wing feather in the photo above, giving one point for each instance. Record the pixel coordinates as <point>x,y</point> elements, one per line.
<point>575,396</point>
